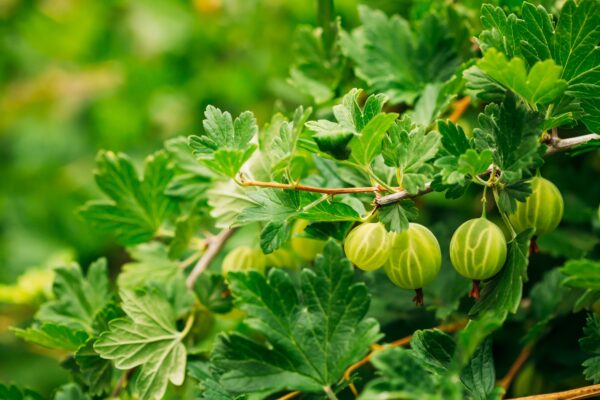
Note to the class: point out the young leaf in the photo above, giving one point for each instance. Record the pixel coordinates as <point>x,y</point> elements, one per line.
<point>590,343</point>
<point>397,216</point>
<point>78,299</point>
<point>225,145</point>
<point>314,333</point>
<point>542,85</point>
<point>138,208</point>
<point>358,131</point>
<point>273,235</point>
<point>148,338</point>
<point>473,163</point>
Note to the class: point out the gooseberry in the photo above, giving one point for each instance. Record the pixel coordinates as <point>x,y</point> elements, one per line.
<point>306,248</point>
<point>478,251</point>
<point>243,259</point>
<point>542,210</point>
<point>367,246</point>
<point>415,259</point>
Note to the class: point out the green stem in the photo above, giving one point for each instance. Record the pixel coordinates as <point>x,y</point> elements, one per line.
<point>505,218</point>
<point>483,201</point>
<point>314,203</point>
<point>399,176</point>
<point>371,174</point>
<point>329,393</point>
<point>325,20</point>
<point>188,325</point>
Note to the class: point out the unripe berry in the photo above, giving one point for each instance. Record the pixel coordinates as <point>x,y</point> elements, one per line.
<point>542,210</point>
<point>367,246</point>
<point>281,258</point>
<point>244,259</point>
<point>415,257</point>
<point>306,248</point>
<point>478,249</point>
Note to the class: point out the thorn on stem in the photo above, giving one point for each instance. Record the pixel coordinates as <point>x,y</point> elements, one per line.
<point>474,293</point>
<point>418,299</point>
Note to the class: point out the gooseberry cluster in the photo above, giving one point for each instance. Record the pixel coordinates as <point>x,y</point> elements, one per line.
<point>412,258</point>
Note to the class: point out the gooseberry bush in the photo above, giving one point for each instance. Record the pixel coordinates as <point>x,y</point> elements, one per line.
<point>243,240</point>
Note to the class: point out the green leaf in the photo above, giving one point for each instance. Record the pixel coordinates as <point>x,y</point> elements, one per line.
<point>474,163</point>
<point>225,145</point>
<point>479,376</point>
<point>78,299</point>
<point>469,339</point>
<point>326,230</point>
<point>454,141</point>
<point>512,133</point>
<point>582,273</point>
<point>397,62</point>
<point>273,236</point>
<point>402,375</point>
<point>148,338</point>
<point>95,372</point>
<point>71,391</point>
<point>569,243</point>
<point>53,336</point>
<point>408,149</point>
<point>278,206</point>
<point>211,388</point>
<point>151,263</point>
<point>503,292</point>
<point>367,144</point>
<point>576,47</point>
<point>138,207</point>
<point>212,291</point>
<point>397,216</point>
<point>542,85</point>
<point>513,192</point>
<point>358,132</point>
<point>434,348</point>
<point>590,343</point>
<point>313,333</point>
<point>500,30</point>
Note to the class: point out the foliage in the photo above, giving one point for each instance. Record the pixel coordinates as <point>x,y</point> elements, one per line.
<point>375,134</point>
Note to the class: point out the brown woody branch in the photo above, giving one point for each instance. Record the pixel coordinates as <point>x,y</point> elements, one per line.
<point>214,245</point>
<point>586,392</point>
<point>515,367</point>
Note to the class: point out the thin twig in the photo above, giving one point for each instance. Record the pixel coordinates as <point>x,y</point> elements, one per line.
<point>460,106</point>
<point>214,245</point>
<point>515,367</point>
<point>121,383</point>
<point>290,395</point>
<point>585,392</point>
<point>314,189</point>
<point>452,327</point>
